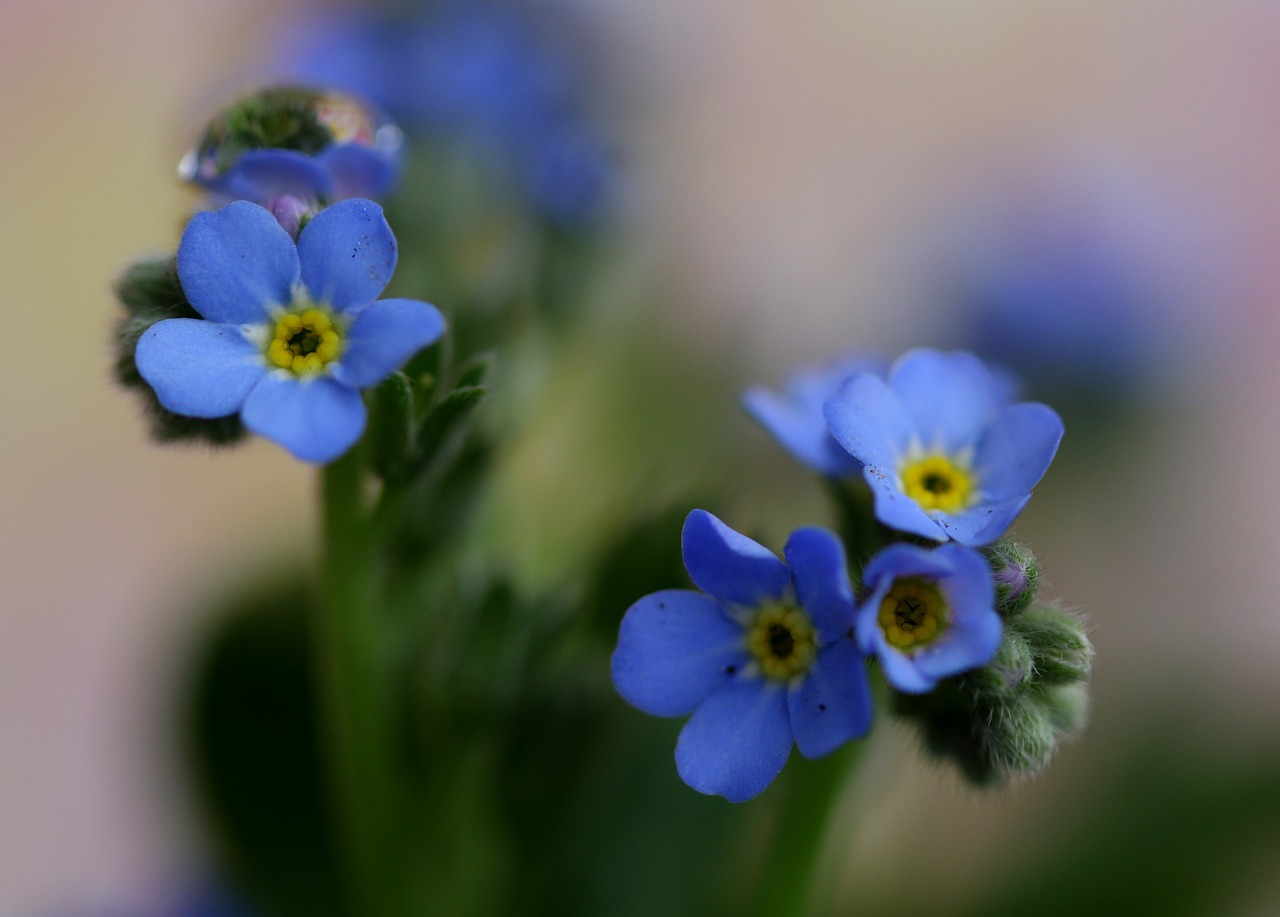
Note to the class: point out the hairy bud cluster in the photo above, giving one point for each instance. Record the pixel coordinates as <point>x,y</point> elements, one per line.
<point>1009,717</point>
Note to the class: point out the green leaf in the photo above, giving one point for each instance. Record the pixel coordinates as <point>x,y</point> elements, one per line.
<point>391,424</point>
<point>255,748</point>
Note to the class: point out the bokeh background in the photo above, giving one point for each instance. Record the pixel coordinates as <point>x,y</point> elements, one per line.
<point>805,180</point>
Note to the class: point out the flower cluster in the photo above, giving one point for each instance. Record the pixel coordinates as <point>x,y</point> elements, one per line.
<point>771,654</point>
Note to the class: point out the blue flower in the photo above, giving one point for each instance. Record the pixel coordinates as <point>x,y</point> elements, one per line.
<point>489,74</point>
<point>333,147</point>
<point>794,416</point>
<point>291,332</point>
<point>762,657</point>
<point>946,455</point>
<point>929,614</point>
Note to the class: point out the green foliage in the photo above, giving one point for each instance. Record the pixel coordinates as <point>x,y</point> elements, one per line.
<point>1173,824</point>
<point>254,745</point>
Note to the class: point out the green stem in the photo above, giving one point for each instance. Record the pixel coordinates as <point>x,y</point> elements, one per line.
<point>351,691</point>
<point>791,864</point>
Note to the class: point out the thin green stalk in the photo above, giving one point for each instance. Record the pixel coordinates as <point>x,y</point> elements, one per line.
<point>351,692</point>
<point>791,864</point>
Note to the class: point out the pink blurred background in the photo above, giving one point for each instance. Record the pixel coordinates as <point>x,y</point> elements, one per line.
<point>802,166</point>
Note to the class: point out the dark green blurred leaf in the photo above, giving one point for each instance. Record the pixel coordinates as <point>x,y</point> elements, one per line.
<point>255,752</point>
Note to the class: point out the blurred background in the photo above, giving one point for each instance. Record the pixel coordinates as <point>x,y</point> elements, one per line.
<point>1083,191</point>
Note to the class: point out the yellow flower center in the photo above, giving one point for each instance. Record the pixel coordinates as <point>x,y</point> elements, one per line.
<point>783,640</point>
<point>937,482</point>
<point>305,341</point>
<point>912,613</point>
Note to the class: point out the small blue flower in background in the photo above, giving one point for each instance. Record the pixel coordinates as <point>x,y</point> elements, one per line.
<point>762,657</point>
<point>306,144</point>
<point>486,73</point>
<point>1063,308</point>
<point>945,454</point>
<point>794,416</point>
<point>929,614</point>
<point>291,332</point>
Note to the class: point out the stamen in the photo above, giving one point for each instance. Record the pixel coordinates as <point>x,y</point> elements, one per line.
<point>912,613</point>
<point>783,641</point>
<point>305,341</point>
<point>939,483</point>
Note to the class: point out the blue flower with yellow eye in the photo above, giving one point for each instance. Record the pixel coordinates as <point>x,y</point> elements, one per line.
<point>793,416</point>
<point>762,657</point>
<point>928,614</point>
<point>945,453</point>
<point>291,331</point>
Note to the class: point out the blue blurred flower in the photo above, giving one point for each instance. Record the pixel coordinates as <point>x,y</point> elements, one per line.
<point>291,332</point>
<point>794,416</point>
<point>762,657</point>
<point>306,144</point>
<point>946,455</point>
<point>485,73</point>
<point>929,614</point>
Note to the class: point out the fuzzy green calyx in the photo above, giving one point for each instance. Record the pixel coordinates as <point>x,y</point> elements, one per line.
<point>1017,575</point>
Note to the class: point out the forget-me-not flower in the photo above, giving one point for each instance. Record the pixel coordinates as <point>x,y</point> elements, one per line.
<point>945,454</point>
<point>929,614</point>
<point>291,331</point>
<point>762,657</point>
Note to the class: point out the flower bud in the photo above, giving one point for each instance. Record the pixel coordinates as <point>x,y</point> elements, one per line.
<point>1059,644</point>
<point>1017,574</point>
<point>290,212</point>
<point>1068,708</point>
<point>1006,674</point>
<point>1016,736</point>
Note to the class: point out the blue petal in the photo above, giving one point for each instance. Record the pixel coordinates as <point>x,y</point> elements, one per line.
<point>674,648</point>
<point>236,262</point>
<point>801,429</point>
<point>975,628</point>
<point>898,511</point>
<point>728,565</point>
<point>316,419</point>
<point>1016,449</point>
<point>984,523</point>
<point>259,175</point>
<point>199,368</point>
<point>901,671</point>
<point>833,703</point>
<point>899,560</point>
<point>949,396</point>
<point>359,171</point>
<point>964,648</point>
<point>819,574</point>
<point>970,584</point>
<point>737,741</point>
<point>348,254</point>
<point>867,419</point>
<point>383,336</point>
